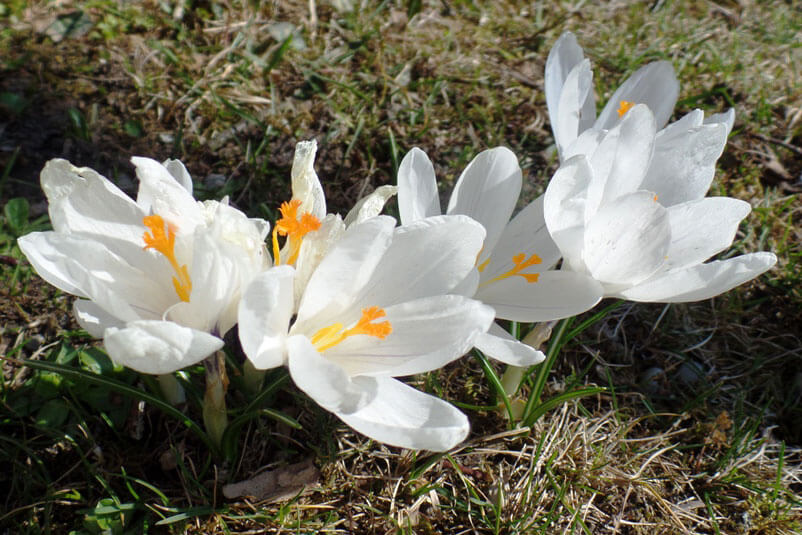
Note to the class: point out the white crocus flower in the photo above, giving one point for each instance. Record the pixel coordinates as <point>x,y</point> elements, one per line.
<point>309,230</point>
<point>572,112</point>
<point>645,240</point>
<point>159,278</point>
<point>378,306</point>
<point>513,272</point>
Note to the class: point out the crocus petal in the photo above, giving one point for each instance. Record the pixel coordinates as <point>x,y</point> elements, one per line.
<point>158,347</point>
<point>487,191</point>
<point>684,163</point>
<point>325,381</point>
<point>264,317</point>
<point>427,334</point>
<point>314,248</point>
<point>94,319</point>
<point>87,268</point>
<point>502,346</point>
<point>305,183</point>
<point>526,234</point>
<point>703,228</point>
<point>417,187</point>
<point>428,257</point>
<point>622,159</point>
<point>701,281</point>
<point>555,295</point>
<point>564,56</point>
<point>564,206</point>
<point>370,205</point>
<point>344,271</point>
<point>401,416</point>
<point>82,201</point>
<point>727,119</point>
<point>654,84</point>
<point>627,240</point>
<point>180,173</point>
<point>572,113</point>
<point>160,193</point>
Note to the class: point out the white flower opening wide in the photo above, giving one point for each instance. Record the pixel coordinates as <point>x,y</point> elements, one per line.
<point>379,305</point>
<point>159,278</point>
<point>685,151</point>
<point>513,271</point>
<point>642,239</point>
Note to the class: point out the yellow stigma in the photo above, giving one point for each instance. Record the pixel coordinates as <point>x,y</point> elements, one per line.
<point>521,263</point>
<point>624,107</point>
<point>294,228</point>
<point>330,336</point>
<point>164,242</point>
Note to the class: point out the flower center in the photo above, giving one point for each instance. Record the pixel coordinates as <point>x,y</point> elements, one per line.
<point>330,336</point>
<point>624,107</point>
<point>162,239</point>
<point>520,263</point>
<point>294,227</point>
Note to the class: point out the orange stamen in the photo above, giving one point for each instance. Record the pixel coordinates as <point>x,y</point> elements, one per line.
<point>521,263</point>
<point>330,336</point>
<point>164,242</point>
<point>294,227</point>
<point>624,107</point>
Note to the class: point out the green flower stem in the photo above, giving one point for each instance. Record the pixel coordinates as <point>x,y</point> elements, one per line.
<point>171,389</point>
<point>215,417</point>
<point>513,375</point>
<point>252,377</point>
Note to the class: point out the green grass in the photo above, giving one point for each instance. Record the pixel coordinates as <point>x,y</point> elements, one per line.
<point>690,422</point>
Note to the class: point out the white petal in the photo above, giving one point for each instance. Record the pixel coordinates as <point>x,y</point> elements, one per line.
<point>526,234</point>
<point>684,163</point>
<point>564,56</point>
<point>158,347</point>
<point>370,205</point>
<point>622,159</point>
<point>727,119</point>
<point>487,191</point>
<point>82,201</point>
<point>428,257</point>
<point>264,317</point>
<point>702,281</point>
<point>401,416</point>
<point>314,248</point>
<point>94,319</point>
<point>556,295</point>
<point>500,345</point>
<point>654,84</point>
<point>586,144</point>
<point>344,271</point>
<point>703,228</point>
<point>572,112</point>
<point>426,335</point>
<point>160,193</point>
<point>564,206</point>
<point>180,173</point>
<point>627,240</point>
<point>324,381</point>
<point>417,187</point>
<point>88,269</point>
<point>305,184</point>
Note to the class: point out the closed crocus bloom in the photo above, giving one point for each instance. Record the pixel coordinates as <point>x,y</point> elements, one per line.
<point>159,278</point>
<point>379,305</point>
<point>513,271</point>
<point>309,232</point>
<point>643,239</point>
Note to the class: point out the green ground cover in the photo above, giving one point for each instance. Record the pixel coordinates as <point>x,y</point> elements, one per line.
<point>698,428</point>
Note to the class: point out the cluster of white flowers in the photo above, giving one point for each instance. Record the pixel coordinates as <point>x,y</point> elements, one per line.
<point>349,305</point>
